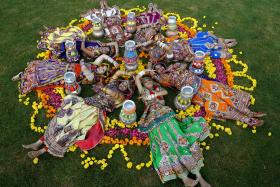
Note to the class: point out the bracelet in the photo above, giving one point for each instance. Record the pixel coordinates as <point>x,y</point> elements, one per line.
<point>115,63</point>
<point>126,73</point>
<point>170,56</point>
<point>141,73</point>
<point>114,77</point>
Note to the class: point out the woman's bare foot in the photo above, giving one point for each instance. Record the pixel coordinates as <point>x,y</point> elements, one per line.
<point>230,42</point>
<point>35,146</point>
<point>202,182</point>
<point>255,122</point>
<point>16,77</point>
<point>188,182</point>
<point>259,114</point>
<point>34,154</point>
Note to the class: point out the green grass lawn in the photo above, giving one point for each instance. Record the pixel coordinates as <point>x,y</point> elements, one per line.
<point>243,159</point>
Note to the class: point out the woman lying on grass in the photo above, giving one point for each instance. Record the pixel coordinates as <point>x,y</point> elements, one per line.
<point>174,144</point>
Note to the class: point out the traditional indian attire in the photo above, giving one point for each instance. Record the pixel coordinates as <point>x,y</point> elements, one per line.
<point>219,100</point>
<point>53,36</point>
<point>174,144</point>
<point>71,124</point>
<point>114,31</point>
<point>92,46</point>
<point>203,41</point>
<point>180,52</point>
<point>148,18</point>
<point>50,72</point>
<point>80,121</point>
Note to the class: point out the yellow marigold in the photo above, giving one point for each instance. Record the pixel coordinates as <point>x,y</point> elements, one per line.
<point>129,165</point>
<point>35,160</point>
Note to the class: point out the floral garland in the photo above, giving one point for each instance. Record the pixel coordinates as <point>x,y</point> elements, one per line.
<point>210,68</point>
<point>229,74</point>
<point>220,71</point>
<point>89,161</point>
<point>50,101</point>
<point>242,73</point>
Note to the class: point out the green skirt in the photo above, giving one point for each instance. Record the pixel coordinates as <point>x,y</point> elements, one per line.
<point>175,148</point>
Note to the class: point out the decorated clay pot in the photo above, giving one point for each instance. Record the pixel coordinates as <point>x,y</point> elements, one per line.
<point>70,84</point>
<point>97,29</point>
<point>72,54</point>
<point>171,26</point>
<point>198,62</point>
<point>131,23</point>
<point>183,99</point>
<point>128,112</point>
<point>130,56</point>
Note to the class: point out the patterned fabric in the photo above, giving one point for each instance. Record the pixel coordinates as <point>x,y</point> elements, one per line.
<point>203,41</point>
<point>50,72</point>
<point>145,34</point>
<point>71,123</point>
<point>102,101</point>
<point>105,101</point>
<point>180,50</point>
<point>148,18</point>
<point>222,102</point>
<point>91,45</point>
<point>115,31</point>
<point>174,146</point>
<point>154,109</point>
<point>41,73</point>
<point>53,37</point>
<point>178,76</point>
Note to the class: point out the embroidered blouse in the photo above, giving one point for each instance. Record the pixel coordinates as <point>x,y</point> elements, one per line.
<point>178,77</point>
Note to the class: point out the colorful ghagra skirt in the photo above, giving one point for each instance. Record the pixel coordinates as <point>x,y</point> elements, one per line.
<point>71,124</point>
<point>175,148</point>
<point>222,102</point>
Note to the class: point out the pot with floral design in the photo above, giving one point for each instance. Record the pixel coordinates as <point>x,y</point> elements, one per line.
<point>131,22</point>
<point>97,29</point>
<point>128,112</point>
<point>70,84</point>
<point>198,63</point>
<point>130,56</point>
<point>183,99</point>
<point>72,54</point>
<point>171,26</point>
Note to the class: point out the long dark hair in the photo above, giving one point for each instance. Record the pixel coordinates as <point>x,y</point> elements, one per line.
<point>130,88</point>
<point>163,80</point>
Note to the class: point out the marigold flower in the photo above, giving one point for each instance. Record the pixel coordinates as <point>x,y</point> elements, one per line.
<point>109,156</point>
<point>138,167</point>
<point>86,165</point>
<point>203,143</point>
<point>82,155</point>
<point>129,165</point>
<point>35,160</point>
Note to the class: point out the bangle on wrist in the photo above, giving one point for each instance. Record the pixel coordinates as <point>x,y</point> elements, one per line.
<point>141,73</point>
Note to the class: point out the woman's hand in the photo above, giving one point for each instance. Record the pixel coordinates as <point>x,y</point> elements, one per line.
<point>115,63</point>
<point>145,72</point>
<point>148,97</point>
<point>83,45</point>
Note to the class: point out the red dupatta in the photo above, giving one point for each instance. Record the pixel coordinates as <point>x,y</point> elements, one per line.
<point>94,135</point>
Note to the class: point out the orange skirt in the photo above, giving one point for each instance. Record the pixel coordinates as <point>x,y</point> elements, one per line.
<point>221,101</point>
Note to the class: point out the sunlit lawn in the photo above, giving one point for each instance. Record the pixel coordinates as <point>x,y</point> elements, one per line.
<point>243,159</point>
